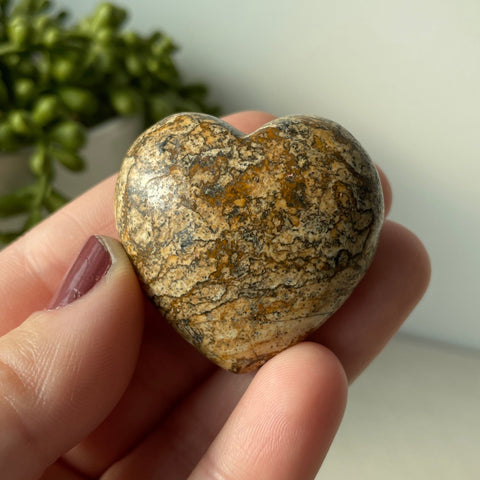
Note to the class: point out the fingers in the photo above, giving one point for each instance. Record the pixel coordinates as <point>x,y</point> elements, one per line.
<point>284,424</point>
<point>37,262</point>
<point>168,369</point>
<point>249,121</point>
<point>175,446</point>
<point>64,369</point>
<point>281,428</point>
<point>393,285</point>
<point>153,390</point>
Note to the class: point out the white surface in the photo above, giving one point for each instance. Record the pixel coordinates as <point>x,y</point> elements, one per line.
<point>414,414</point>
<point>402,75</point>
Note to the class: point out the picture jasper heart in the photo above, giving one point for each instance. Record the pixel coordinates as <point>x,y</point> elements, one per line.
<point>248,243</point>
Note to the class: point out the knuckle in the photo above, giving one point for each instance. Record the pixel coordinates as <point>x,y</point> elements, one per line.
<point>19,398</point>
<point>19,440</point>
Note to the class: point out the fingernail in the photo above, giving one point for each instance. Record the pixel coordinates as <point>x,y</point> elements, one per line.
<point>90,266</point>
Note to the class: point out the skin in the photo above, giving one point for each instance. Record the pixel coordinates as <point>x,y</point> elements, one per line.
<point>104,388</point>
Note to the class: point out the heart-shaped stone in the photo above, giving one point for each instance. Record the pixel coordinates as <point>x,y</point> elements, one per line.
<point>248,243</point>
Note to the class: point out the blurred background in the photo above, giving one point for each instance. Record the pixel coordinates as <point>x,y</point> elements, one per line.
<point>404,78</point>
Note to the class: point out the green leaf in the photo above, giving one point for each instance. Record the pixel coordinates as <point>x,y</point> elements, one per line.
<point>134,65</point>
<point>38,161</point>
<point>132,39</point>
<point>7,48</point>
<point>19,30</point>
<point>17,202</point>
<point>7,237</point>
<point>35,216</point>
<point>21,122</point>
<point>64,69</point>
<point>68,159</point>
<point>25,90</point>
<point>108,15</point>
<point>79,100</point>
<point>51,37</point>
<point>55,200</point>
<point>46,109</point>
<point>70,134</point>
<point>8,139</point>
<point>126,101</point>
<point>161,45</point>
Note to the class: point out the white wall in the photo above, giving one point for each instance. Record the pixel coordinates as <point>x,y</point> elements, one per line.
<point>402,75</point>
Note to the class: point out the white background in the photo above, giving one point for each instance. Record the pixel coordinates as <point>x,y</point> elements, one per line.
<point>403,76</point>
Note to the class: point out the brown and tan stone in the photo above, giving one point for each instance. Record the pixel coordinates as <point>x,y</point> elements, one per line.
<point>248,243</point>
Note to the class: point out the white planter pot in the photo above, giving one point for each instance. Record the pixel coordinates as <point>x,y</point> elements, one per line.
<point>104,151</point>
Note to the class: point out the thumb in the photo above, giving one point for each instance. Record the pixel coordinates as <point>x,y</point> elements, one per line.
<point>65,368</point>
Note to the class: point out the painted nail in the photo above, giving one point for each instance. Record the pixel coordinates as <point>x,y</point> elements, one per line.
<point>90,266</point>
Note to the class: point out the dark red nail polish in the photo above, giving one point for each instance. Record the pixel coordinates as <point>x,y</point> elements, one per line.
<point>90,266</point>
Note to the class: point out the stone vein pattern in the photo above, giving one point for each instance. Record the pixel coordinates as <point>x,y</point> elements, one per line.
<point>247,244</point>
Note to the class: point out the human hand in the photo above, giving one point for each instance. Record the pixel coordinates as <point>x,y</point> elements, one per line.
<point>103,387</point>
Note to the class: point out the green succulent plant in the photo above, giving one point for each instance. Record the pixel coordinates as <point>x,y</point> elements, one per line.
<point>57,79</point>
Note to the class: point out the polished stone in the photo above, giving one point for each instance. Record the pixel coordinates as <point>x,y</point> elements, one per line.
<point>248,243</point>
